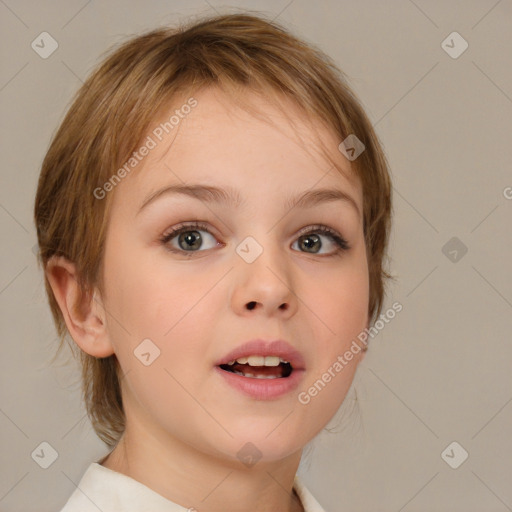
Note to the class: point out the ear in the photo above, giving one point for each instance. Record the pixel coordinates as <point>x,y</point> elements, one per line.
<point>85,319</point>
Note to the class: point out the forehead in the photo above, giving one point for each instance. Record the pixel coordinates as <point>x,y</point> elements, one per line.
<point>256,146</point>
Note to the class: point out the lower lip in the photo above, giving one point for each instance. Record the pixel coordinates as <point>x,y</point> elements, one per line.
<point>263,389</point>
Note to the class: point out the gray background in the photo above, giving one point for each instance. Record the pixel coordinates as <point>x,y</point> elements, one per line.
<point>439,372</point>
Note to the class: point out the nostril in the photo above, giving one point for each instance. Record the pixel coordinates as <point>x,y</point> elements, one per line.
<point>251,305</point>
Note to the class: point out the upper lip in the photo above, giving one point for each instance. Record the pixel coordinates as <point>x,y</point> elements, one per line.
<point>259,347</point>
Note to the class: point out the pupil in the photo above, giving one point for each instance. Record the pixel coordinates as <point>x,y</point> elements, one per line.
<point>191,238</point>
<point>309,241</point>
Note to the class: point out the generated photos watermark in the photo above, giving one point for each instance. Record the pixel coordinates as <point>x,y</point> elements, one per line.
<point>151,142</point>
<point>305,397</point>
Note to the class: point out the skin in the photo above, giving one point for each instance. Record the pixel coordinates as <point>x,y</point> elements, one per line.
<point>184,424</point>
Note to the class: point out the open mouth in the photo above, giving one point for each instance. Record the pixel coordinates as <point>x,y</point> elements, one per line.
<point>259,367</point>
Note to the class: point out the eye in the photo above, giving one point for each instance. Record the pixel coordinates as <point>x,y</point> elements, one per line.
<point>189,238</point>
<point>310,239</point>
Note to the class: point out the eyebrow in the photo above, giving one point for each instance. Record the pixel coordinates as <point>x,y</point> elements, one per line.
<point>231,196</point>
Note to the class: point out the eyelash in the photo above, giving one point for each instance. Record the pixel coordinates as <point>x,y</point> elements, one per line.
<point>341,243</point>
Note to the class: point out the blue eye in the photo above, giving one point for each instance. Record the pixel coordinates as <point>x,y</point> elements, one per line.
<point>189,239</point>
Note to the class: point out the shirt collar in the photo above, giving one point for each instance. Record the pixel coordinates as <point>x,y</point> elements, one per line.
<point>309,503</point>
<point>104,490</point>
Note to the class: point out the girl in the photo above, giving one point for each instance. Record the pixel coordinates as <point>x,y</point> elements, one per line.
<point>212,216</point>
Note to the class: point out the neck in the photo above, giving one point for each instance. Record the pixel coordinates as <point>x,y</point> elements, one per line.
<point>195,480</point>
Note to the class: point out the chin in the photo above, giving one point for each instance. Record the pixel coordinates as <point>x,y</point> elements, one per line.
<point>261,439</point>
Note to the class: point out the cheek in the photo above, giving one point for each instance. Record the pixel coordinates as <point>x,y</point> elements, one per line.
<point>151,297</point>
<point>169,307</point>
<point>341,301</point>
<point>167,304</point>
<point>342,305</point>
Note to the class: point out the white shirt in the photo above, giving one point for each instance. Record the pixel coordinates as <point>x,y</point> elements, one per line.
<point>104,490</point>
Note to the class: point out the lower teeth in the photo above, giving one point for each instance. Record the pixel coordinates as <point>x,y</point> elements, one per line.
<point>252,376</point>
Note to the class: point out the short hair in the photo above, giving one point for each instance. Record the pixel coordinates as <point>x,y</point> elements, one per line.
<point>113,111</point>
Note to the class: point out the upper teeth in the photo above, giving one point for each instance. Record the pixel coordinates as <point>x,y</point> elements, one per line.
<point>259,361</point>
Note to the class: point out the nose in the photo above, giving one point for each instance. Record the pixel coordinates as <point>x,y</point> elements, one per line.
<point>264,286</point>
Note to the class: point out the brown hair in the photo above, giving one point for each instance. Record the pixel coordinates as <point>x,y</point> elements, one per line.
<point>113,111</point>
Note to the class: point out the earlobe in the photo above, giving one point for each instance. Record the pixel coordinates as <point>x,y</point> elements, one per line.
<point>84,316</point>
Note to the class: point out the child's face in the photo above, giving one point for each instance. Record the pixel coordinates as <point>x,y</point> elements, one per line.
<point>195,303</point>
